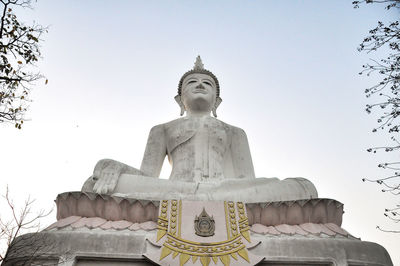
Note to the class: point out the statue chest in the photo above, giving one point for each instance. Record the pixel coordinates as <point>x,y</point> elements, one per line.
<point>197,149</point>
<point>198,134</point>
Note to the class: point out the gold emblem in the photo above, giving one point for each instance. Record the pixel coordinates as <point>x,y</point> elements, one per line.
<point>204,225</point>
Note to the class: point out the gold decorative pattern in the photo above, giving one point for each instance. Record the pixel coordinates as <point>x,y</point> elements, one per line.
<point>204,249</point>
<point>217,250</point>
<point>205,261</point>
<point>183,258</point>
<point>162,222</point>
<point>179,217</point>
<point>243,221</point>
<point>173,217</point>
<point>228,235</point>
<point>237,228</point>
<point>232,219</point>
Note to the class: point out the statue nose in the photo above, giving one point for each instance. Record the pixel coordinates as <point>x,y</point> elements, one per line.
<point>200,86</point>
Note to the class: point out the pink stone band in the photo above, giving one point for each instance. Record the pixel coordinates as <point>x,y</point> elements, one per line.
<point>113,208</point>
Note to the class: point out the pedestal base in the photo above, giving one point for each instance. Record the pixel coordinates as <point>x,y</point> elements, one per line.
<point>83,247</point>
<point>94,229</point>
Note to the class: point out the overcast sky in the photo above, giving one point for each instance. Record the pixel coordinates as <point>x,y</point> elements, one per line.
<point>288,76</point>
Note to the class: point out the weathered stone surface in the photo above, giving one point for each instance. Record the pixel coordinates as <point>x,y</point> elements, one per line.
<point>210,159</point>
<point>116,208</point>
<point>125,247</point>
<point>321,251</point>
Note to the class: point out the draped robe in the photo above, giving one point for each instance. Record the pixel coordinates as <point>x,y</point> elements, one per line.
<point>199,149</point>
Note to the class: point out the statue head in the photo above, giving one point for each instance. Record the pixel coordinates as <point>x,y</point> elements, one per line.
<point>198,88</point>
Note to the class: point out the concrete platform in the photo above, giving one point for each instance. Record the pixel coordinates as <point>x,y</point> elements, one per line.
<point>83,246</point>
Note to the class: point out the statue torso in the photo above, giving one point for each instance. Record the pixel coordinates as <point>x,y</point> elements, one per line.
<point>198,148</point>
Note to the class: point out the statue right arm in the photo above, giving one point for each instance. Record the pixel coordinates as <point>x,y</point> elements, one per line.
<point>155,152</point>
<point>241,156</point>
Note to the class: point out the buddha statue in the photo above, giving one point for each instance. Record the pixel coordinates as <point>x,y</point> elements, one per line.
<point>211,210</point>
<point>210,159</point>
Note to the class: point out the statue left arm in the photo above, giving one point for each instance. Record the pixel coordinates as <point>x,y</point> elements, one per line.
<point>241,157</point>
<point>156,150</point>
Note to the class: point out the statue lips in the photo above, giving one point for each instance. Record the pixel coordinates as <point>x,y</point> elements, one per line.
<point>202,91</point>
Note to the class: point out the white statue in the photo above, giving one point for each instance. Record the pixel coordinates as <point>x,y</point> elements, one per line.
<point>210,159</point>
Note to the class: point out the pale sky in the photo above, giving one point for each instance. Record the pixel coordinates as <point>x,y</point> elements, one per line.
<point>288,72</point>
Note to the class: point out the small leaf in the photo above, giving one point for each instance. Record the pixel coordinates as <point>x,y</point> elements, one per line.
<point>19,62</point>
<point>47,81</point>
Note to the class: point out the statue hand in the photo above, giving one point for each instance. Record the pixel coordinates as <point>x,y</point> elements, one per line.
<point>107,178</point>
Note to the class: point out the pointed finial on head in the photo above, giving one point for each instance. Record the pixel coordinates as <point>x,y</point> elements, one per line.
<point>198,65</point>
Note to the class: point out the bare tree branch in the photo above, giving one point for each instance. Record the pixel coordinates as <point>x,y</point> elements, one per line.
<point>20,221</point>
<point>388,90</point>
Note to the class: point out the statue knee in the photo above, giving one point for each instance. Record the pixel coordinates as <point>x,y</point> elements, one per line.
<point>103,163</point>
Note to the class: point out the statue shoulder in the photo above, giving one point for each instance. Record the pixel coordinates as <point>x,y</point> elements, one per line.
<point>167,125</point>
<point>174,122</point>
<point>235,131</point>
<point>157,130</point>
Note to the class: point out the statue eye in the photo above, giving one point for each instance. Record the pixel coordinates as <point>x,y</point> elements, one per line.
<point>208,83</point>
<point>191,81</point>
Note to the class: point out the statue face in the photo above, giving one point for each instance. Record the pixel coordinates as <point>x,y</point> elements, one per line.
<point>198,92</point>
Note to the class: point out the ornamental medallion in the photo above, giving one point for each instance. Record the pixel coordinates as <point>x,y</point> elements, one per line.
<point>204,225</point>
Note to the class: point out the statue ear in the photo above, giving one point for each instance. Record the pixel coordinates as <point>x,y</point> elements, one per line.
<point>218,101</point>
<point>179,101</point>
